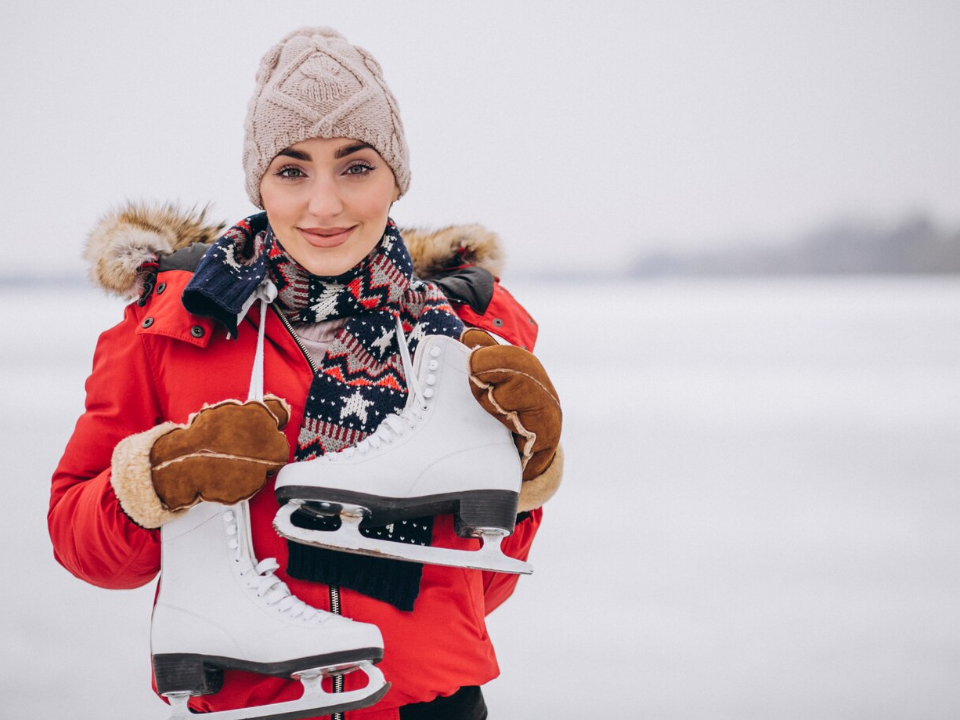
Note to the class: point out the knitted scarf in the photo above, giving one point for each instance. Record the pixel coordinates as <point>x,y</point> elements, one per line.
<point>358,381</point>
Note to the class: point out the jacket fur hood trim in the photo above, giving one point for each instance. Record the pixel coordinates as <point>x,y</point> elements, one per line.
<point>435,251</point>
<point>125,239</point>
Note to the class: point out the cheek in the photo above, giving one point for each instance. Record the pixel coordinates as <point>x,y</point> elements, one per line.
<point>376,204</point>
<point>280,203</point>
<point>269,200</point>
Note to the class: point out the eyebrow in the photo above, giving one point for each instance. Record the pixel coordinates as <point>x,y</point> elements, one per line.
<point>350,149</point>
<point>295,154</point>
<point>341,153</point>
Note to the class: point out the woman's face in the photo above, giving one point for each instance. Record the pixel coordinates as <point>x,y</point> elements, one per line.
<point>327,201</point>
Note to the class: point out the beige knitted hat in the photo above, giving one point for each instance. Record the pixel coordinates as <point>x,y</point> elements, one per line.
<point>312,84</point>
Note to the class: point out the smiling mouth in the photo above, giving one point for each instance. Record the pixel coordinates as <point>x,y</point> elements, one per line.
<point>326,237</point>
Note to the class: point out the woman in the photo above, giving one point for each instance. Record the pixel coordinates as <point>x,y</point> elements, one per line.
<point>167,436</point>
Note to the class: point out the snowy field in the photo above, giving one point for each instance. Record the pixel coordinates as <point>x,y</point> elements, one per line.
<point>760,516</point>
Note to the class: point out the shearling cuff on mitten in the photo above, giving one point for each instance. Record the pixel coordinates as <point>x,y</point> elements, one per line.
<point>132,479</point>
<point>534,493</point>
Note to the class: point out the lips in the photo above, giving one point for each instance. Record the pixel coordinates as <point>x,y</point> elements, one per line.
<point>326,237</point>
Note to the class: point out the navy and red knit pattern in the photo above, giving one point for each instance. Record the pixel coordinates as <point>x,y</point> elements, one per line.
<point>360,379</point>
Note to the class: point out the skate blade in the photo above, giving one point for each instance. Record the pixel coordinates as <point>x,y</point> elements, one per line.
<point>314,701</point>
<point>350,540</point>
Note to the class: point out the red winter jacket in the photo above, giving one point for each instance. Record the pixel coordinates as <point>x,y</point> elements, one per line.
<point>165,369</point>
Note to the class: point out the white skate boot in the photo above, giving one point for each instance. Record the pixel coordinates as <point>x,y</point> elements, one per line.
<point>218,608</point>
<point>442,454</point>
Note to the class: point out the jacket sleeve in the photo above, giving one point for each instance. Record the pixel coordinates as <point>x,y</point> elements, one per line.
<point>92,537</point>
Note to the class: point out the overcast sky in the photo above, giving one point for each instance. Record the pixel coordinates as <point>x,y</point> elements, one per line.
<point>583,132</point>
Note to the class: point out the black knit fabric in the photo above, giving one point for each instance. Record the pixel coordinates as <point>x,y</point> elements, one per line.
<point>392,581</point>
<point>465,704</point>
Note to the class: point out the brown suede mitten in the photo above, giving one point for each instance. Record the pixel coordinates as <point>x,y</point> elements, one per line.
<point>511,384</point>
<point>223,455</point>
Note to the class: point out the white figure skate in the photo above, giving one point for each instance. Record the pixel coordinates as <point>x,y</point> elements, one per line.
<point>442,454</point>
<point>218,608</point>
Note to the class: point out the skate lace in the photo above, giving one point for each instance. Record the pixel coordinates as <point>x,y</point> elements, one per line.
<point>392,427</point>
<point>395,424</point>
<point>273,591</point>
<point>266,292</point>
<point>261,579</point>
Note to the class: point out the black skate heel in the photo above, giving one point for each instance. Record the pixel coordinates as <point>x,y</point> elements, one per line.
<point>186,674</point>
<point>482,510</point>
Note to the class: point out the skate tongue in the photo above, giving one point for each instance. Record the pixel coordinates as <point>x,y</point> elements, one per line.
<point>267,566</point>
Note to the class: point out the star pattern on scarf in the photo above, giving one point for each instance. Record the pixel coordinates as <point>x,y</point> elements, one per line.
<point>326,303</point>
<point>383,342</point>
<point>416,335</point>
<point>356,405</point>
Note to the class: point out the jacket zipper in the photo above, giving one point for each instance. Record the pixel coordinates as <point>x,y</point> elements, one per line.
<point>334,591</point>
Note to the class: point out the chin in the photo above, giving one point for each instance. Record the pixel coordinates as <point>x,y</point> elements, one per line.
<point>328,267</point>
<point>328,262</point>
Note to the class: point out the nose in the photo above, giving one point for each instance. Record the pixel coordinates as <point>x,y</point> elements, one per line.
<point>325,200</point>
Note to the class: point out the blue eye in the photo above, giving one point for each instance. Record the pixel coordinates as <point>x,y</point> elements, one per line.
<point>290,171</point>
<point>359,168</point>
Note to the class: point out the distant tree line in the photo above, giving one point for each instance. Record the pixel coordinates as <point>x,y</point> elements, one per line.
<point>915,245</point>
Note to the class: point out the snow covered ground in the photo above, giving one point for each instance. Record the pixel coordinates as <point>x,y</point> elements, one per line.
<point>760,516</point>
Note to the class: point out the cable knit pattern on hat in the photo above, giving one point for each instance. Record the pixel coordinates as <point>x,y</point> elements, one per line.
<point>315,84</point>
